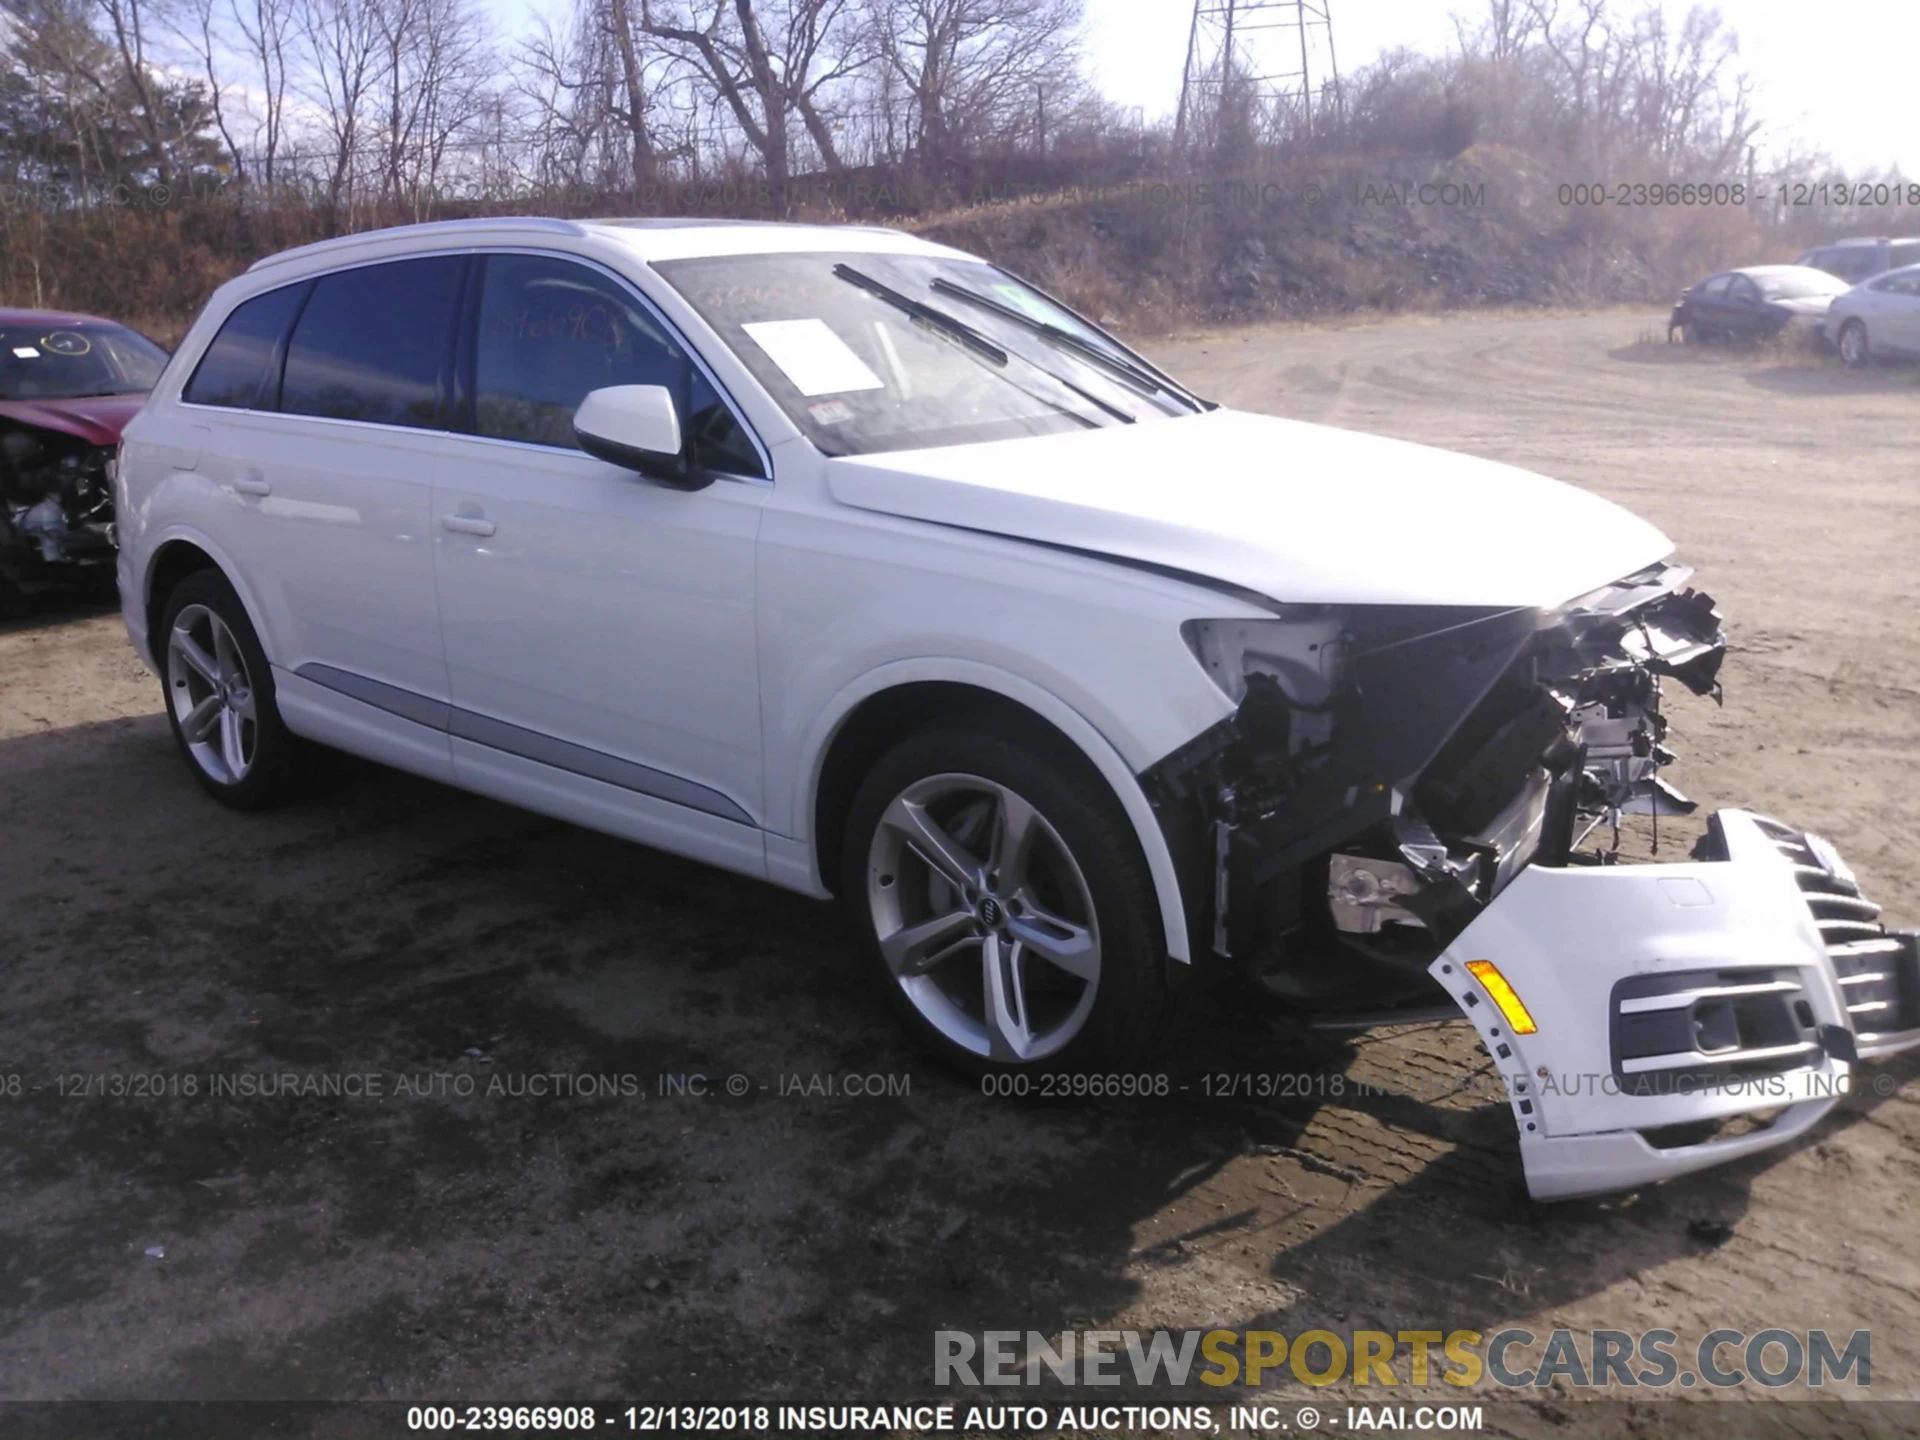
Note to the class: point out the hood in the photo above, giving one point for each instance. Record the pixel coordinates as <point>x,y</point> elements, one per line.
<point>96,419</point>
<point>1300,513</point>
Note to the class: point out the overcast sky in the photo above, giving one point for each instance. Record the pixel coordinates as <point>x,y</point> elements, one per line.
<point>1839,75</point>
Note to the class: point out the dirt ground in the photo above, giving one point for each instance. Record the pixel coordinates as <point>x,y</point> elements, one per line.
<point>789,1245</point>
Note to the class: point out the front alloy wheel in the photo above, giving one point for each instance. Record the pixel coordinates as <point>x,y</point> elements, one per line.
<point>984,918</point>
<point>1006,909</point>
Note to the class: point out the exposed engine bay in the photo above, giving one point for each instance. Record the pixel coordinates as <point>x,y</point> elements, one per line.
<point>56,508</point>
<point>1412,804</point>
<point>1390,770</point>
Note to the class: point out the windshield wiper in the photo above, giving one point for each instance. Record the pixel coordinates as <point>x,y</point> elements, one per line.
<point>923,312</point>
<point>958,329</point>
<point>1142,379</point>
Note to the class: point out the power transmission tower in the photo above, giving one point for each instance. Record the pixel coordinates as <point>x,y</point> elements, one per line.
<point>1274,58</point>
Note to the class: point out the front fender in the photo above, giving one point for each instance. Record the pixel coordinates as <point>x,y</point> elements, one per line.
<point>1063,717</point>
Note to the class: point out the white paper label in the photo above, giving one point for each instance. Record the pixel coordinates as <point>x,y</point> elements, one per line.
<point>816,360</point>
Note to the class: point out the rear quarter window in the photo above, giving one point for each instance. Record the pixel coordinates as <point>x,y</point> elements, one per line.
<point>233,372</point>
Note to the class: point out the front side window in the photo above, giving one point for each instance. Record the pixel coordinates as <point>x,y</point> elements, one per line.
<point>374,343</point>
<point>551,331</point>
<point>234,368</point>
<point>871,352</point>
<point>66,362</point>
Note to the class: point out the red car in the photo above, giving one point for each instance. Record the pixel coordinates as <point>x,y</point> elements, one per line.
<point>68,385</point>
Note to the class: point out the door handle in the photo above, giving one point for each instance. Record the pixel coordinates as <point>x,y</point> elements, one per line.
<point>253,483</point>
<point>467,524</point>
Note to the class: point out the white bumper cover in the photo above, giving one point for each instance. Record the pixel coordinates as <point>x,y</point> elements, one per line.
<point>1670,997</point>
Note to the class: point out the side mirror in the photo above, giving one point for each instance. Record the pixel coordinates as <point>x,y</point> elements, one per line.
<point>638,428</point>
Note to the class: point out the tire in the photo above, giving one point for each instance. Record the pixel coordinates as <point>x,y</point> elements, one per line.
<point>1855,352</point>
<point>1050,958</point>
<point>219,696</point>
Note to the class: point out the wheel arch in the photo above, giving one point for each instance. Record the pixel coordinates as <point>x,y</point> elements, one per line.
<point>173,559</point>
<point>896,700</point>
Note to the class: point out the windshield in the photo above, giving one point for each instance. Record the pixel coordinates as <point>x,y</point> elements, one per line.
<point>873,352</point>
<point>67,362</point>
<point>1800,287</point>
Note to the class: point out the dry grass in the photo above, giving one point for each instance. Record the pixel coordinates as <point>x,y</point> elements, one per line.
<point>1157,257</point>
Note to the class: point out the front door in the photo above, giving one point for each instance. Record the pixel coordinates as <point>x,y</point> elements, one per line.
<point>598,626</point>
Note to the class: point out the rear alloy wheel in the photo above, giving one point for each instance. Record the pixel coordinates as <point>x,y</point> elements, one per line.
<point>212,695</point>
<point>1854,351</point>
<point>220,700</point>
<point>1006,904</point>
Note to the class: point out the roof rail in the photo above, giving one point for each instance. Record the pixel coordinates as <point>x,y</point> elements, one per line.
<point>545,224</point>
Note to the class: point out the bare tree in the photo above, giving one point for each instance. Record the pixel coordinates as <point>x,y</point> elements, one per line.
<point>766,60</point>
<point>342,43</point>
<point>197,24</point>
<point>970,68</point>
<point>127,22</point>
<point>266,29</point>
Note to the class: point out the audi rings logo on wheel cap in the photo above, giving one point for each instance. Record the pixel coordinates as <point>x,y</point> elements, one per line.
<point>990,911</point>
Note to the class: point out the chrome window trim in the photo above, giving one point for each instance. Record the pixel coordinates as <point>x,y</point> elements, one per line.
<point>672,331</point>
<point>506,738</point>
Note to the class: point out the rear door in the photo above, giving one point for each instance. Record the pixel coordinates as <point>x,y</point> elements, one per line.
<point>332,470</point>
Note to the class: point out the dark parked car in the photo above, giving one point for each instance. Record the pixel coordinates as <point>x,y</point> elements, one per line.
<point>1857,260</point>
<point>68,384</point>
<point>1756,303</point>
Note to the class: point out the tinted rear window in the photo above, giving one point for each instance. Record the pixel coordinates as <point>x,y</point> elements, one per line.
<point>1903,252</point>
<point>231,371</point>
<point>372,343</point>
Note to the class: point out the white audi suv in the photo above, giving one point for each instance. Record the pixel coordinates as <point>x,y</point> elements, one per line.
<point>852,562</point>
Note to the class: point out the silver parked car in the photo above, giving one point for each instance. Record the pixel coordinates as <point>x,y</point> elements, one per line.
<point>1880,319</point>
<point>1862,259</point>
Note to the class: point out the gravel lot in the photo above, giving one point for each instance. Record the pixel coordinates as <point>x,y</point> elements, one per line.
<point>803,1246</point>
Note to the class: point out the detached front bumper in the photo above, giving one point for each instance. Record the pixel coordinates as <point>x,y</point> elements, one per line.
<point>1684,1015</point>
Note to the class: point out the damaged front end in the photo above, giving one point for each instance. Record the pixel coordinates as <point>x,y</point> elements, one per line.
<point>1407,796</point>
<point>56,507</point>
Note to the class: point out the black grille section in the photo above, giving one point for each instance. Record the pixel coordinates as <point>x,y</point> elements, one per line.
<point>1695,1029</point>
<point>1878,968</point>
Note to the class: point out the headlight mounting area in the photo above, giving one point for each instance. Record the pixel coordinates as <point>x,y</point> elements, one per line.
<point>1389,769</point>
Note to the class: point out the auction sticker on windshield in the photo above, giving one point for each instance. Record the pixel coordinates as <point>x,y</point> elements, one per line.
<point>816,360</point>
